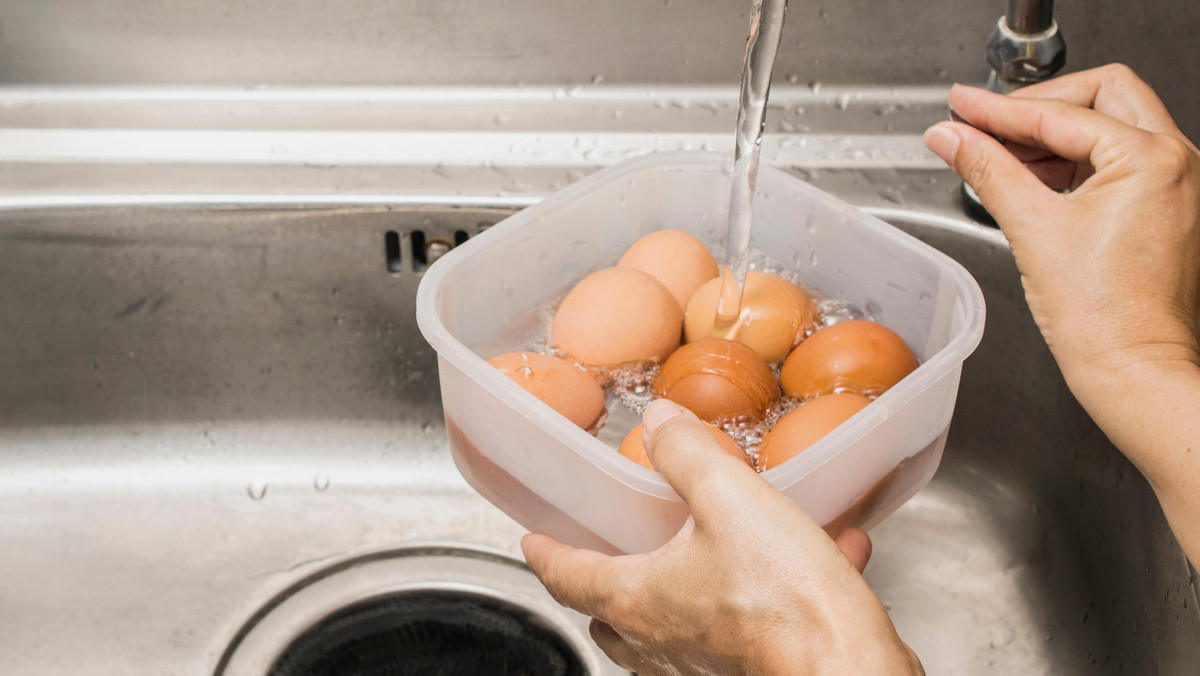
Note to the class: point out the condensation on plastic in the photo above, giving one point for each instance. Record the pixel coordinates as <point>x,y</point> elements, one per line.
<point>555,478</point>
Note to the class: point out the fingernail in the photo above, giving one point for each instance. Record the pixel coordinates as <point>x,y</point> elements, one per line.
<point>943,142</point>
<point>658,412</point>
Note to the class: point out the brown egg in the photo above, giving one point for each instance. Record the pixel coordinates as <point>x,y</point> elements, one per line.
<point>802,427</point>
<point>680,261</point>
<point>860,354</point>
<point>717,378</point>
<point>772,320</point>
<point>617,315</point>
<point>633,448</point>
<point>563,386</point>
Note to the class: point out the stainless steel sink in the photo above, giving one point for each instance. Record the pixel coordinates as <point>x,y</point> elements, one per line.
<point>215,407</point>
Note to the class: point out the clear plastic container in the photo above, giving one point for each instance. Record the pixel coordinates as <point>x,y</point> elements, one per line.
<point>555,478</point>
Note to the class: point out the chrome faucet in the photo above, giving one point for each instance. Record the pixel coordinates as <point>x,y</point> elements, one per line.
<point>1025,47</point>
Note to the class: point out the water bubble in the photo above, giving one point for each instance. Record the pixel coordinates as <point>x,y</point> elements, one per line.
<point>793,78</point>
<point>321,482</point>
<point>632,384</point>
<point>833,311</point>
<point>257,490</point>
<point>815,86</point>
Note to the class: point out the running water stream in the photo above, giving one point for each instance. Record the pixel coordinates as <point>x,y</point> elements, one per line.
<point>766,28</point>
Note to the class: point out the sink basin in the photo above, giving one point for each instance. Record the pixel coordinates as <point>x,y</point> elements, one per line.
<point>205,408</point>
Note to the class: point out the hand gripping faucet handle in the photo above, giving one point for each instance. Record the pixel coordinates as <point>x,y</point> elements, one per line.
<point>1025,47</point>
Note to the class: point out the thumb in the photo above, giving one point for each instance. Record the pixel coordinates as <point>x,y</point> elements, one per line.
<point>683,449</point>
<point>1004,184</point>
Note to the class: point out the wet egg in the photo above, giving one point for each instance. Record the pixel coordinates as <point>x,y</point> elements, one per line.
<point>796,431</point>
<point>717,378</point>
<point>773,317</point>
<point>862,355</point>
<point>616,316</point>
<point>563,386</point>
<point>634,449</point>
<point>677,259</point>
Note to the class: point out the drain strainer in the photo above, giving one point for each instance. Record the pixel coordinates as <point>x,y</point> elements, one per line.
<point>424,610</point>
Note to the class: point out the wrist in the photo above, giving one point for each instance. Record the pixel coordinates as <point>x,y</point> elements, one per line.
<point>1141,406</point>
<point>865,647</point>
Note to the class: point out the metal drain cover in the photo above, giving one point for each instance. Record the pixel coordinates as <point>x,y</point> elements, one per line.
<point>435,609</point>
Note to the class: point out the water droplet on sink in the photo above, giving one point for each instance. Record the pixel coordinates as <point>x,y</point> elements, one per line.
<point>321,482</point>
<point>597,78</point>
<point>257,490</point>
<point>428,426</point>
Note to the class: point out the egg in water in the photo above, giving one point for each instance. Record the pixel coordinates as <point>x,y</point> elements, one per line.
<point>860,355</point>
<point>677,259</point>
<point>717,378</point>
<point>563,386</point>
<point>801,428</point>
<point>616,316</point>
<point>774,316</point>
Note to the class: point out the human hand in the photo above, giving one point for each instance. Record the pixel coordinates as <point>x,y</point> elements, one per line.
<point>750,584</point>
<point>1111,269</point>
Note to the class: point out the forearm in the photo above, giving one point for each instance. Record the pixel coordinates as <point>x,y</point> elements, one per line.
<point>1151,411</point>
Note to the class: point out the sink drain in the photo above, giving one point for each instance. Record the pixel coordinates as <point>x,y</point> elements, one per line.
<point>429,632</point>
<point>434,610</point>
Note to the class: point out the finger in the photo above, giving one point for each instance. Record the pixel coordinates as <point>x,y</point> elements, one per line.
<point>1054,171</point>
<point>856,546</point>
<point>1059,174</point>
<point>617,649</point>
<point>1027,153</point>
<point>693,462</point>
<point>1002,182</point>
<point>1114,90</point>
<point>577,578</point>
<point>1074,133</point>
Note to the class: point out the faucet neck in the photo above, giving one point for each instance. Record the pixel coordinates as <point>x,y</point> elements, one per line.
<point>1030,17</point>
